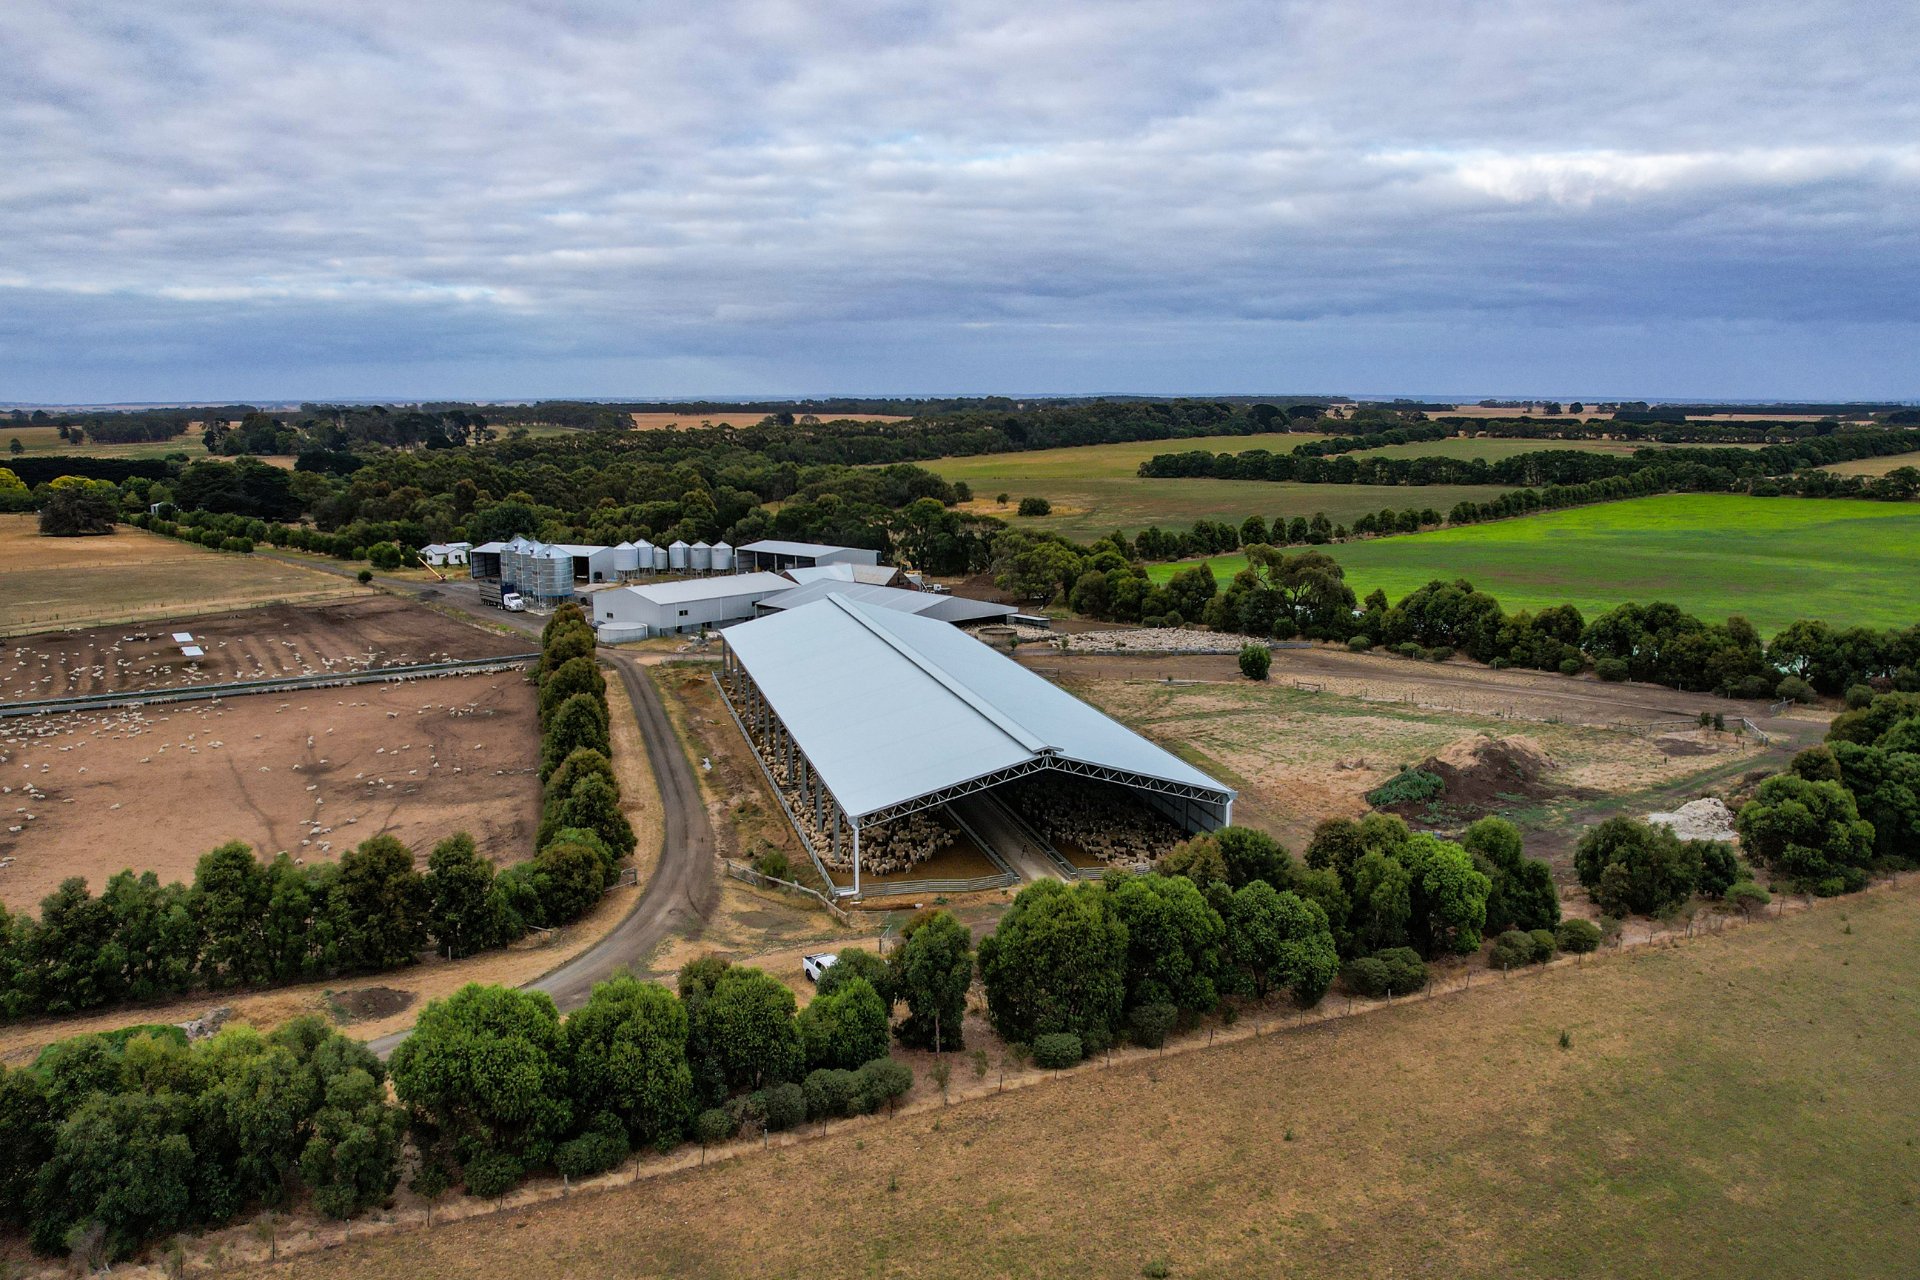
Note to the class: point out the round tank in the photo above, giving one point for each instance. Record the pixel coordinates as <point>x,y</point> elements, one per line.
<point>643,555</point>
<point>626,558</point>
<point>659,558</point>
<point>700,557</point>
<point>677,554</point>
<point>722,557</point>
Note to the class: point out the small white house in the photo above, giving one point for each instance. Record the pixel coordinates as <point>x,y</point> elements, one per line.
<point>441,554</point>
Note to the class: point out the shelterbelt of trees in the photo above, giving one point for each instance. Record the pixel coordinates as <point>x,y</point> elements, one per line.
<point>1776,469</point>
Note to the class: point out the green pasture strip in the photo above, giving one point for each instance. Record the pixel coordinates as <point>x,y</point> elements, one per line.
<point>1773,560</point>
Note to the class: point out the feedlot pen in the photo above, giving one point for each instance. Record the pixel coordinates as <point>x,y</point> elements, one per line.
<point>255,644</point>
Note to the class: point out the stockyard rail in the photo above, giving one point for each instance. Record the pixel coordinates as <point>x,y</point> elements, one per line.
<point>283,684</point>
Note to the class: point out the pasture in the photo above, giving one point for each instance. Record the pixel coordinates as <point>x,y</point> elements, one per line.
<point>1094,490</point>
<point>1850,562</point>
<point>132,574</point>
<point>1743,1105</point>
<point>1874,466</point>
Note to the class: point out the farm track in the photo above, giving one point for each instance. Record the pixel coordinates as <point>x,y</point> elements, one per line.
<point>683,890</point>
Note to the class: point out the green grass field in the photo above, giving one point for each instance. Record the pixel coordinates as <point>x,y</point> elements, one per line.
<point>1095,488</point>
<point>1772,560</point>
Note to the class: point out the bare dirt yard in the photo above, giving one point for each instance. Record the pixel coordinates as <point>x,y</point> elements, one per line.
<point>311,773</point>
<point>1328,727</point>
<point>132,574</point>
<point>248,644</point>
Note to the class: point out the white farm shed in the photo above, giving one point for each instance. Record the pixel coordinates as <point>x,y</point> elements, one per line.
<point>775,555</point>
<point>947,608</point>
<point>669,608</point>
<point>870,715</point>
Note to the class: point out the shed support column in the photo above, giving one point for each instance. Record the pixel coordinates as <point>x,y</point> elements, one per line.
<point>856,859</point>
<point>836,832</point>
<point>816,802</point>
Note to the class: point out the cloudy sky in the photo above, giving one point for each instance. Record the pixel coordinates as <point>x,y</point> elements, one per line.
<point>290,198</point>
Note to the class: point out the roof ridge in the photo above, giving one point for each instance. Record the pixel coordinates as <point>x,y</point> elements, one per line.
<point>999,719</point>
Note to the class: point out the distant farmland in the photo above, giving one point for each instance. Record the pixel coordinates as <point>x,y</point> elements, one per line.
<point>1094,489</point>
<point>1770,559</point>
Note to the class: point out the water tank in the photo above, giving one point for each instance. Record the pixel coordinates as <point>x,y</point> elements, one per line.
<point>722,558</point>
<point>677,555</point>
<point>700,557</point>
<point>626,558</point>
<point>659,558</point>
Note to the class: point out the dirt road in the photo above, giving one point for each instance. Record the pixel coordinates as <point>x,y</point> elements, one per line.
<point>682,889</point>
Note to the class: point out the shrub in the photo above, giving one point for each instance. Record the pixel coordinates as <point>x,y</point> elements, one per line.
<point>715,1125</point>
<point>846,1028</point>
<point>1442,653</point>
<point>492,1173</point>
<point>831,1092</point>
<point>1544,945</point>
<point>1511,950</point>
<point>1612,670</point>
<point>1359,644</point>
<point>1577,936</point>
<point>1859,697</point>
<point>883,1080</point>
<point>774,863</point>
<point>1062,1049</point>
<point>1396,969</point>
<point>1793,689</point>
<point>1747,896</point>
<point>1150,1023</point>
<point>1753,688</point>
<point>594,1152</point>
<point>364,577</point>
<point>786,1106</point>
<point>1571,667</point>
<point>1408,784</point>
<point>1255,661</point>
<point>1035,507</point>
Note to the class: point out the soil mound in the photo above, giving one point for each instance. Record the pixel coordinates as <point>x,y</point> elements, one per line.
<point>368,1002</point>
<point>1482,775</point>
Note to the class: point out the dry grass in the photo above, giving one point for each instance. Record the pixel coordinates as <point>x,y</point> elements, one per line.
<point>1739,1106</point>
<point>1299,757</point>
<point>132,575</point>
<point>1874,466</point>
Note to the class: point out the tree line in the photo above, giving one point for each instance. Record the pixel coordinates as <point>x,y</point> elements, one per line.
<point>1767,472</point>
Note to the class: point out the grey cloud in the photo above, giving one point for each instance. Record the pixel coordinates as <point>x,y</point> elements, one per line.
<point>500,198</point>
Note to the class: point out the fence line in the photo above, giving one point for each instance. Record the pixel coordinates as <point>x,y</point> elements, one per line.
<point>1757,731</point>
<point>284,684</point>
<point>741,871</point>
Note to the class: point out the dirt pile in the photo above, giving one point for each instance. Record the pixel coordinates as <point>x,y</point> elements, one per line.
<point>1481,775</point>
<point>1707,819</point>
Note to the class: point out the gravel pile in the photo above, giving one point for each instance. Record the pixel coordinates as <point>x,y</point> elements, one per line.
<point>1698,820</point>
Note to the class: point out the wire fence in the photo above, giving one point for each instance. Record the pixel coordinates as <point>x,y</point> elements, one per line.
<point>284,684</point>
<point>760,880</point>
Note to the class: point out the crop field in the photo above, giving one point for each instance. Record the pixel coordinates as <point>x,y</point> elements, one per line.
<point>132,574</point>
<point>1874,466</point>
<point>1743,1105</point>
<point>1772,560</point>
<point>1094,490</point>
